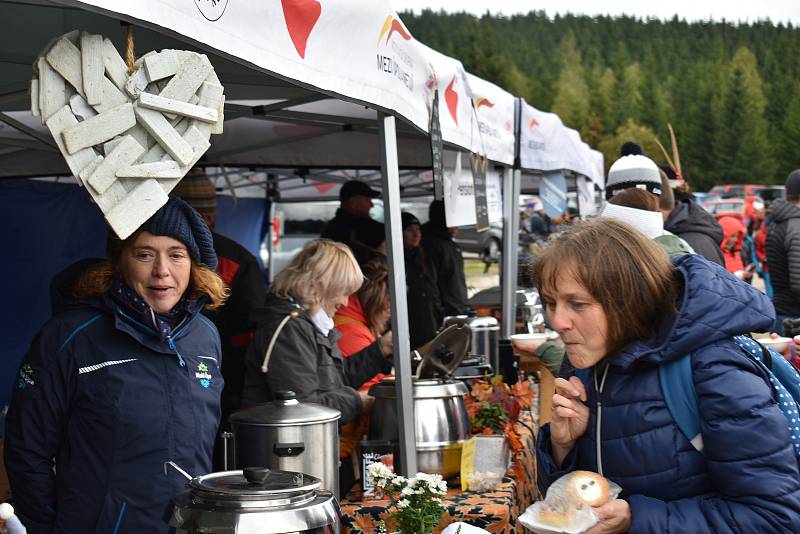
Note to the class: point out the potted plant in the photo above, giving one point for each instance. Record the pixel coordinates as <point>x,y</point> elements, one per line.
<point>418,502</point>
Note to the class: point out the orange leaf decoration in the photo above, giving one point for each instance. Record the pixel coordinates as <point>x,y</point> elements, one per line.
<point>523,394</point>
<point>482,391</point>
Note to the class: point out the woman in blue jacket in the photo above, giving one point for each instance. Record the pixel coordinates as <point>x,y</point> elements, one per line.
<point>123,382</point>
<point>622,309</point>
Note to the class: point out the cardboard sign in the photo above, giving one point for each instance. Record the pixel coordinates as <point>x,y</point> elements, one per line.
<point>479,164</point>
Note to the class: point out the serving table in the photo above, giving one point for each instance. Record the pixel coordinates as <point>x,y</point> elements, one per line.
<point>495,510</point>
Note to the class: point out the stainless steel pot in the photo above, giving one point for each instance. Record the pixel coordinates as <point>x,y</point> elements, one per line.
<point>288,435</point>
<point>441,424</point>
<point>485,340</point>
<point>255,501</point>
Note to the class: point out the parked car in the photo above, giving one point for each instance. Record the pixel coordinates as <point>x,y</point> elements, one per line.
<point>730,207</point>
<point>293,224</point>
<point>734,190</point>
<point>488,243</point>
<point>773,192</point>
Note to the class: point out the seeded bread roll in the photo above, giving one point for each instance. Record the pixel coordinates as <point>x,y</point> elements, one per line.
<point>589,488</point>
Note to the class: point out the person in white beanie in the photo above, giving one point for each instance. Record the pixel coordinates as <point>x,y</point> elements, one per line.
<point>633,189</point>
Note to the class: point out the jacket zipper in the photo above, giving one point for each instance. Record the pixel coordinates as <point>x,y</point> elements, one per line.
<point>170,341</point>
<point>599,426</point>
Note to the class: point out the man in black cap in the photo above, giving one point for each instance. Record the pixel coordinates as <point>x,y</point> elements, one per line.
<point>356,201</point>
<point>783,252</point>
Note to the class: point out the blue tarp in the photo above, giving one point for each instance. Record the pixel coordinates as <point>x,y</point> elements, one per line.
<point>47,227</point>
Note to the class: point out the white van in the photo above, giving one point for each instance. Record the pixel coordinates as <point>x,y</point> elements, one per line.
<point>293,224</point>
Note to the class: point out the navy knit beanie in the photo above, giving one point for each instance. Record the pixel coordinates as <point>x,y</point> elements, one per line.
<point>178,220</point>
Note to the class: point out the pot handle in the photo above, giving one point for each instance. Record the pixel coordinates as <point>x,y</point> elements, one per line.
<point>177,468</point>
<point>288,449</point>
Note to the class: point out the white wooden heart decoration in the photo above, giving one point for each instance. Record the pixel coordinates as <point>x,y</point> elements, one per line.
<point>128,139</point>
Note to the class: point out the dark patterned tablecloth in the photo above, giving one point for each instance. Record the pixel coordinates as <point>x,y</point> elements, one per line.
<point>495,510</point>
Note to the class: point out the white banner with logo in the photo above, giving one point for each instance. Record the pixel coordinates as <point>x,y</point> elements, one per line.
<point>457,117</point>
<point>547,145</point>
<point>494,108</point>
<point>360,50</point>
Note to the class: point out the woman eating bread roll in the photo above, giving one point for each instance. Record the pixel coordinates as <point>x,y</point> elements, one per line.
<point>623,309</point>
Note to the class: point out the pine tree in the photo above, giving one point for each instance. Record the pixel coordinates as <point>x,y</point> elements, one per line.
<point>790,137</point>
<point>572,94</point>
<point>742,146</point>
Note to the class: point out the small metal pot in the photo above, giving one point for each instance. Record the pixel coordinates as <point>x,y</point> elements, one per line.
<point>255,501</point>
<point>441,423</point>
<point>485,336</point>
<point>289,435</point>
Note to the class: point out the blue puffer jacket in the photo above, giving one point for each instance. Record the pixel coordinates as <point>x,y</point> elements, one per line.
<point>746,480</point>
<point>103,396</point>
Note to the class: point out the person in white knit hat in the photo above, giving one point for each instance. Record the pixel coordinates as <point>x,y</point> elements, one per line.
<point>633,189</point>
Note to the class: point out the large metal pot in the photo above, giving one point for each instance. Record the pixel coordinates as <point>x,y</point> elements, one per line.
<point>255,501</point>
<point>288,435</point>
<point>441,424</point>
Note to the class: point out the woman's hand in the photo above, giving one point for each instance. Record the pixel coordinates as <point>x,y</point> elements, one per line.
<point>385,344</point>
<point>366,401</point>
<point>614,516</point>
<point>569,417</point>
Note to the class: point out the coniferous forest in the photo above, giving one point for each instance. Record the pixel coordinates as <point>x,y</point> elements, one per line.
<point>730,91</point>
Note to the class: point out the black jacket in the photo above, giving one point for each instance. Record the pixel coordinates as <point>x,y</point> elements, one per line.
<point>698,228</point>
<point>344,227</point>
<point>448,265</point>
<point>783,256</point>
<point>239,269</point>
<point>104,400</point>
<point>306,362</point>
<point>423,298</point>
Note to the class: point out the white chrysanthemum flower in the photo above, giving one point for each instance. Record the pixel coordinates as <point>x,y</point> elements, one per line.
<point>403,503</point>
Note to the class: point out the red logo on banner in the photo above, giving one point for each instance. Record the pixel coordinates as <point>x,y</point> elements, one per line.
<point>393,25</point>
<point>451,97</point>
<point>324,187</point>
<point>533,122</point>
<point>300,16</point>
<point>483,102</point>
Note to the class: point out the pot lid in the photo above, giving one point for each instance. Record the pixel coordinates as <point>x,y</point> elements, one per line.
<point>487,323</point>
<point>285,410</point>
<point>255,482</point>
<point>442,355</point>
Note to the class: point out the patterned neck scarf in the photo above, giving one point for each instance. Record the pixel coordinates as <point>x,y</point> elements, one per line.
<point>122,295</point>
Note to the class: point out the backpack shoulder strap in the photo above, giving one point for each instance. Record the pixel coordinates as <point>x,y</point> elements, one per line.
<point>681,398</point>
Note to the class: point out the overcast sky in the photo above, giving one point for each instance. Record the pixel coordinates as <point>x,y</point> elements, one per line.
<point>732,10</point>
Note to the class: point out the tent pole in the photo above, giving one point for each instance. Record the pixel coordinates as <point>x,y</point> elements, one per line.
<point>397,290</point>
<point>512,181</point>
<point>508,279</point>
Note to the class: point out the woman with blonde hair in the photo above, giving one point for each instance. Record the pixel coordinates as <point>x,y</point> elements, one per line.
<point>124,380</point>
<point>624,310</point>
<point>295,345</point>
